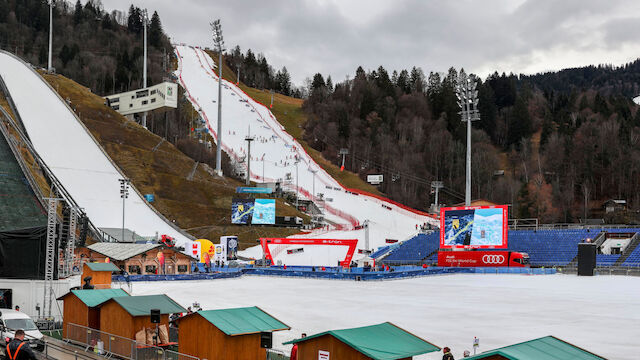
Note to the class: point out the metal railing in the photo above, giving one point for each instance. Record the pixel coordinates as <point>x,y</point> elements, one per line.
<point>108,345</point>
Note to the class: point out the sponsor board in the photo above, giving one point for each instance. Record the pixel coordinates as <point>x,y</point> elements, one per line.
<point>473,258</point>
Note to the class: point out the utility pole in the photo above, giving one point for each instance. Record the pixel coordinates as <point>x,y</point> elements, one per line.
<point>297,191</point>
<point>313,194</point>
<point>271,106</point>
<point>238,79</point>
<point>124,194</point>
<point>144,62</point>
<point>468,102</point>
<point>50,63</point>
<point>249,139</point>
<point>366,234</point>
<point>218,40</point>
<point>437,185</point>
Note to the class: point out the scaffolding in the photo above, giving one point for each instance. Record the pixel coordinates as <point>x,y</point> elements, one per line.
<point>50,255</point>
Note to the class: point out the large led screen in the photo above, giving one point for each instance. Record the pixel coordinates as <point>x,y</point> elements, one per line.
<point>474,227</point>
<point>264,211</point>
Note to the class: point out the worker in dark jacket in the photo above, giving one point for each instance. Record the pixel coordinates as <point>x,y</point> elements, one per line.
<point>447,354</point>
<point>18,349</point>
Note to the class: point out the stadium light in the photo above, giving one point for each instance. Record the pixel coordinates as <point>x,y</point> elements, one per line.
<point>124,194</point>
<point>145,20</point>
<point>313,194</point>
<point>50,63</point>
<point>218,41</point>
<point>468,102</point>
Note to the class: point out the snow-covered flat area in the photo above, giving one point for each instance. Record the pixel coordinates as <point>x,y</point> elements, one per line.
<point>600,313</point>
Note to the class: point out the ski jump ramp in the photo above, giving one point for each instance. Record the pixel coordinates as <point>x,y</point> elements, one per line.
<point>274,152</point>
<point>76,158</point>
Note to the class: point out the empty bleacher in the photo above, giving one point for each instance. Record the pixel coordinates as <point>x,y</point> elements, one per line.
<point>414,250</point>
<point>557,247</point>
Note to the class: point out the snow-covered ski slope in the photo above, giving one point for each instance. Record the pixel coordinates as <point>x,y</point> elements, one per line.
<point>74,156</point>
<point>274,153</point>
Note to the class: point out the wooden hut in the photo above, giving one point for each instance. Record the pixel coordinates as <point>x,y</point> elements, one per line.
<point>548,347</point>
<point>127,315</point>
<point>379,342</point>
<point>100,273</point>
<point>81,309</point>
<point>230,334</point>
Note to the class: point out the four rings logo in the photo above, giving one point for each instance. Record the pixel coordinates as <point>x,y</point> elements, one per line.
<point>493,259</point>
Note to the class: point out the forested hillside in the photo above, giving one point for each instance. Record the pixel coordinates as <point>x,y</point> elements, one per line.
<point>548,144</point>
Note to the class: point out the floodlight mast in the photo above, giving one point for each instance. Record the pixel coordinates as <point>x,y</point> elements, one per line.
<point>468,102</point>
<point>50,63</point>
<point>218,41</point>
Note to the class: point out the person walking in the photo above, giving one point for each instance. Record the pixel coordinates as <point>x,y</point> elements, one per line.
<point>18,349</point>
<point>294,349</point>
<point>447,354</point>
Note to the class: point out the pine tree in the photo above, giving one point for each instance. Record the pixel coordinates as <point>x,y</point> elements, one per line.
<point>155,31</point>
<point>78,13</point>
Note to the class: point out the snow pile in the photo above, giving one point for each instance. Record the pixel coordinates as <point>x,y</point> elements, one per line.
<point>273,156</point>
<point>597,313</point>
<point>74,156</point>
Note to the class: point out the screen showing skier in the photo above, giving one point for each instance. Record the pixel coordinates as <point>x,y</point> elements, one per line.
<point>474,227</point>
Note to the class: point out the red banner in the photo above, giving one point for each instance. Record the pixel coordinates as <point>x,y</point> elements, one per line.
<point>351,243</point>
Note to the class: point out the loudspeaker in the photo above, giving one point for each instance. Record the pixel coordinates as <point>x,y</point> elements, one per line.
<point>586,259</point>
<point>155,316</point>
<point>266,340</point>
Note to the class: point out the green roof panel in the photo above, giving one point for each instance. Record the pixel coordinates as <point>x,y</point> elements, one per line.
<point>380,342</point>
<point>545,348</point>
<point>96,266</point>
<point>142,305</point>
<point>248,320</point>
<point>93,298</point>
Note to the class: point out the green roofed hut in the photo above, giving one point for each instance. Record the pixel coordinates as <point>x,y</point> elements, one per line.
<point>230,334</point>
<point>544,348</point>
<point>379,342</point>
<point>100,273</point>
<point>130,317</point>
<point>81,310</point>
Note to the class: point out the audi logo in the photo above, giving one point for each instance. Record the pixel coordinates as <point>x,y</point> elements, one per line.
<point>493,259</point>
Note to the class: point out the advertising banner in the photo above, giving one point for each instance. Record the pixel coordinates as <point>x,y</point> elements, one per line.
<point>264,211</point>
<point>474,227</point>
<point>241,211</point>
<point>221,254</point>
<point>231,243</point>
<point>473,258</point>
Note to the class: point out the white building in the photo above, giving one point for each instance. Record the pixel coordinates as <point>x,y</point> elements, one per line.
<point>163,95</point>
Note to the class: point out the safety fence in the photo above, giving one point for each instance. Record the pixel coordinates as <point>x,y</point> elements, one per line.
<point>110,345</point>
<point>196,276</point>
<point>338,273</point>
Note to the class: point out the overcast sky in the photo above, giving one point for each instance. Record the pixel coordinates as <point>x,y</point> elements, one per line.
<point>333,37</point>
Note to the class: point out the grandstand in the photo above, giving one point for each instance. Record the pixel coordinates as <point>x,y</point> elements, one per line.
<point>546,247</point>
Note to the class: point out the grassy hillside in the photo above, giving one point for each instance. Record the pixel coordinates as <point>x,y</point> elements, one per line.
<point>202,206</point>
<point>289,113</point>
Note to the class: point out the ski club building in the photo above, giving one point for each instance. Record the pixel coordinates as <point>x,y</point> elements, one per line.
<point>139,259</point>
<point>81,311</point>
<point>383,341</point>
<point>230,334</point>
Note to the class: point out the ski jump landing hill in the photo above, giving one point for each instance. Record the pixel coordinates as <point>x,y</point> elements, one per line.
<point>274,152</point>
<point>75,157</point>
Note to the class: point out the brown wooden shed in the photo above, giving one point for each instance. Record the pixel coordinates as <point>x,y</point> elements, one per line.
<point>126,315</point>
<point>100,273</point>
<point>81,310</point>
<point>230,334</point>
<point>378,342</point>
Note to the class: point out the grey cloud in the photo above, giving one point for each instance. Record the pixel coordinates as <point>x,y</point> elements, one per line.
<point>309,36</point>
